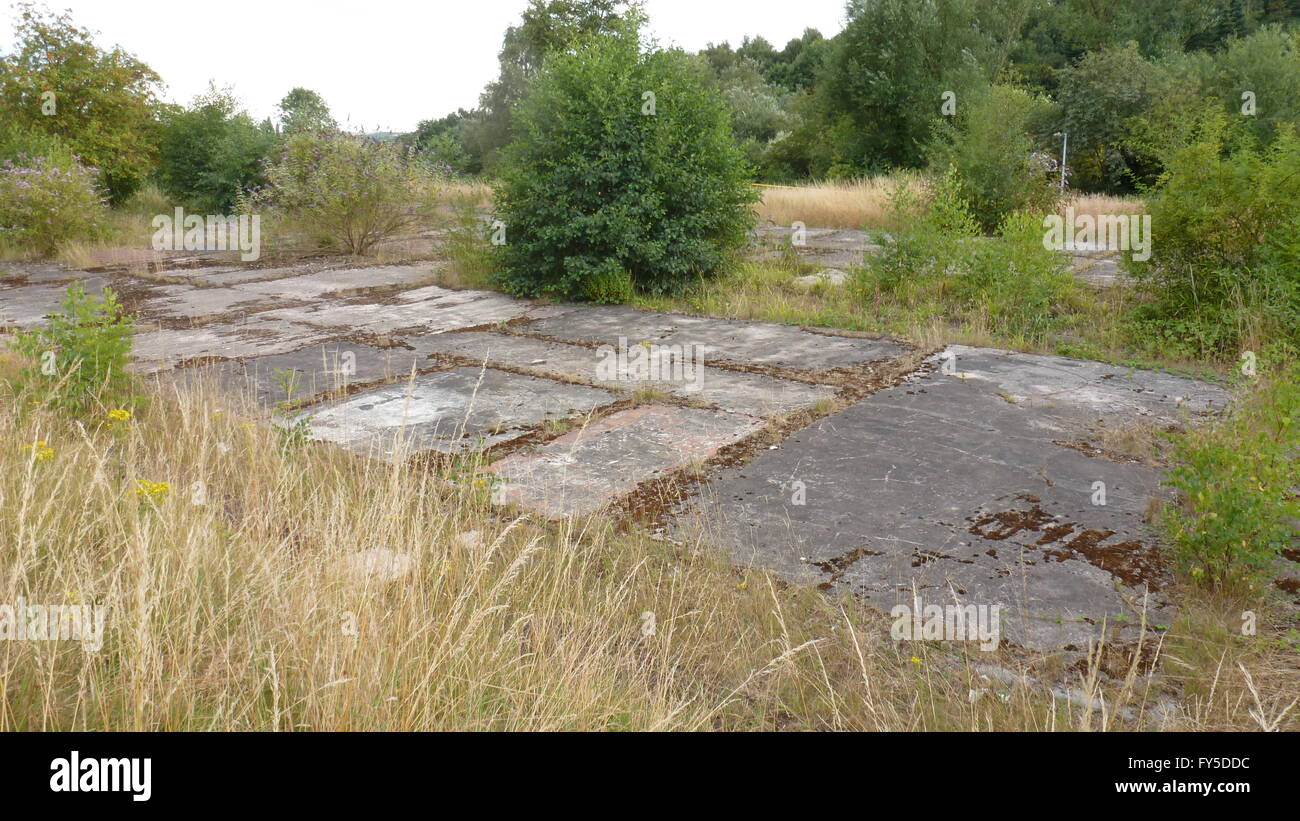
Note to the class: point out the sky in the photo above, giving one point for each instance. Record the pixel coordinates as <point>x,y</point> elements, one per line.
<point>382,65</point>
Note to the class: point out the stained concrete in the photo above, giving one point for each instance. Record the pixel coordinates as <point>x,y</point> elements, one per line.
<point>583,470</point>
<point>198,305</point>
<point>343,281</point>
<point>946,486</point>
<point>28,306</point>
<point>307,373</point>
<point>426,310</point>
<point>725,340</point>
<point>256,335</point>
<point>747,393</point>
<point>454,411</point>
<point>1080,389</point>
<point>40,273</point>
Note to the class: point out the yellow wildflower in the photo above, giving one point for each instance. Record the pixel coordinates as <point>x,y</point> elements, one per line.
<point>119,415</point>
<point>153,491</point>
<point>43,451</point>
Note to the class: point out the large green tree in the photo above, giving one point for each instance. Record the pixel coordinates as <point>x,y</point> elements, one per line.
<point>303,110</point>
<point>102,104</point>
<point>547,27</point>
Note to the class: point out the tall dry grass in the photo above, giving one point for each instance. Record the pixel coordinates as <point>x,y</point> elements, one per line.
<point>241,599</point>
<point>858,204</point>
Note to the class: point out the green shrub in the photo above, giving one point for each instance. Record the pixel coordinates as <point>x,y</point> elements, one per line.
<point>608,283</point>
<point>21,144</point>
<point>938,265</point>
<point>592,185</point>
<point>1225,229</point>
<point>1239,488</point>
<point>44,205</point>
<point>345,191</point>
<point>990,147</point>
<point>211,152</point>
<point>79,361</point>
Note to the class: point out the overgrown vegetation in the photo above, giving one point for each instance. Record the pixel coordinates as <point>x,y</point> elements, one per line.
<point>346,192</point>
<point>78,362</point>
<point>1239,488</point>
<point>1225,266</point>
<point>624,174</point>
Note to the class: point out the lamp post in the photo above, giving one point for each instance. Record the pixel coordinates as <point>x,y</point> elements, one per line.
<point>1065,143</point>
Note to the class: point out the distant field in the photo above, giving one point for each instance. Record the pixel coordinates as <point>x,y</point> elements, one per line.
<point>865,203</point>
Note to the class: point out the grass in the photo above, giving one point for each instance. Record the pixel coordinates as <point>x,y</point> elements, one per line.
<point>856,204</point>
<point>864,204</point>
<point>235,603</point>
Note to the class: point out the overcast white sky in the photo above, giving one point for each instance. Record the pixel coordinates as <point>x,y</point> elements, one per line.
<point>380,64</point>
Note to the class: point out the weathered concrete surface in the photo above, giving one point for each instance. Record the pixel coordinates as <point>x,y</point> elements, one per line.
<point>944,485</point>
<point>40,273</point>
<point>583,470</point>
<point>426,310</point>
<point>304,374</point>
<point>452,411</point>
<point>725,340</point>
<point>236,274</point>
<point>344,281</point>
<point>1081,389</point>
<point>747,393</point>
<point>197,305</point>
<point>27,306</point>
<point>255,335</point>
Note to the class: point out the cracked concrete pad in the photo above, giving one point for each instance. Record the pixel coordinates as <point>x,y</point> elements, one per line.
<point>426,310</point>
<point>942,486</point>
<point>725,340</point>
<point>256,335</point>
<point>40,273</point>
<point>337,282</point>
<point>309,372</point>
<point>452,411</point>
<point>583,470</point>
<point>747,393</point>
<point>187,302</point>
<point>27,306</point>
<point>1081,389</point>
<point>236,274</point>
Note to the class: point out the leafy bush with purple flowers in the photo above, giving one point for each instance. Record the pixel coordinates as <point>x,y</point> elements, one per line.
<point>45,204</point>
<point>348,192</point>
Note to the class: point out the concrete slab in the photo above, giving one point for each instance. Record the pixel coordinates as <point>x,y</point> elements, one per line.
<point>27,306</point>
<point>337,282</point>
<point>943,486</point>
<point>583,470</point>
<point>256,335</point>
<point>454,411</point>
<point>726,340</point>
<point>747,393</point>
<point>1080,389</point>
<point>235,274</point>
<point>40,273</point>
<point>198,305</point>
<point>422,311</point>
<point>307,373</point>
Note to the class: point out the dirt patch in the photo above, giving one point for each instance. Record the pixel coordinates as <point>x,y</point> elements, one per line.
<point>839,565</point>
<point>1133,562</point>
